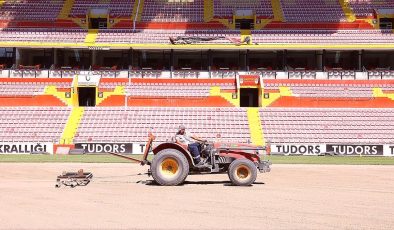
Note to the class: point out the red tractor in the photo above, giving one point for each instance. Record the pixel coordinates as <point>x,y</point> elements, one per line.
<point>172,163</point>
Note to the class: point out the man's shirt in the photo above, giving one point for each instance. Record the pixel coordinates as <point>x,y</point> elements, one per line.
<point>185,139</point>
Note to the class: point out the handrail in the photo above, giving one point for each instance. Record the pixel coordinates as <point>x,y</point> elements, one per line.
<point>136,14</point>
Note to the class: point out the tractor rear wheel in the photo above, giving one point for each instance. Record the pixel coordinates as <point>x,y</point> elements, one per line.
<point>169,167</point>
<point>242,172</point>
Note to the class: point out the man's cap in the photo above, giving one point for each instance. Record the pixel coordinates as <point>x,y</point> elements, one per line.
<point>182,127</point>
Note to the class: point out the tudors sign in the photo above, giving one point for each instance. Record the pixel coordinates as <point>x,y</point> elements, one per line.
<point>302,149</point>
<point>337,149</point>
<point>126,148</point>
<point>388,150</point>
<point>25,148</point>
<point>367,150</point>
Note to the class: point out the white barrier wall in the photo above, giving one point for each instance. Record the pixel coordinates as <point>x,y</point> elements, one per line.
<point>102,148</point>
<point>25,148</point>
<point>337,149</point>
<point>139,148</point>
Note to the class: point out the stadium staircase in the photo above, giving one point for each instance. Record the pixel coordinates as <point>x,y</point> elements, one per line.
<point>263,23</point>
<point>226,23</point>
<point>349,14</point>
<point>66,10</point>
<point>72,125</point>
<point>216,91</point>
<point>256,131</point>
<point>277,10</point>
<point>274,95</point>
<point>91,36</point>
<point>208,10</point>
<point>52,90</point>
<point>379,93</point>
<point>118,91</point>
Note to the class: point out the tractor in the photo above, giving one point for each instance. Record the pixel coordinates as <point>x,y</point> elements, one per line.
<point>172,162</point>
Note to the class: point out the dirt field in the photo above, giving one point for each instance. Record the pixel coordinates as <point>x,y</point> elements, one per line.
<point>291,197</point>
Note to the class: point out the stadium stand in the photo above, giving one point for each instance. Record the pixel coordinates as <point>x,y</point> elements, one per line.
<point>316,75</point>
<point>327,125</point>
<point>118,124</point>
<point>32,124</point>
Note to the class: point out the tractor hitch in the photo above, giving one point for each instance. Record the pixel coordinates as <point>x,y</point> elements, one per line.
<point>144,160</point>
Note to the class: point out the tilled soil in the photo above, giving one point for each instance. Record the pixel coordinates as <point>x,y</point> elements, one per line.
<point>122,196</point>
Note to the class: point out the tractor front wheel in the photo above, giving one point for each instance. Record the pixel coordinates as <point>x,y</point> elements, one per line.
<point>242,172</point>
<point>169,167</point>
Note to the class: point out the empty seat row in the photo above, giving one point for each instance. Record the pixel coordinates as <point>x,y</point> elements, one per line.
<point>365,8</point>
<point>226,8</point>
<point>28,88</point>
<point>173,11</point>
<point>43,35</point>
<point>323,36</point>
<point>116,8</point>
<point>312,11</point>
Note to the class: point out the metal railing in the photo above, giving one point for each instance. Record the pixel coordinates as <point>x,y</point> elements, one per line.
<point>197,74</point>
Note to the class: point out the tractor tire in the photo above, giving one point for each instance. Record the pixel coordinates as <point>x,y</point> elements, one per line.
<point>169,167</point>
<point>242,172</point>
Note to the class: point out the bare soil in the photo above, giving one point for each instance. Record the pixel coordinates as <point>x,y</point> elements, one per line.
<point>121,196</point>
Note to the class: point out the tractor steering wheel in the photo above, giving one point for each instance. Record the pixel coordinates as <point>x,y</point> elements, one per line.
<point>204,145</point>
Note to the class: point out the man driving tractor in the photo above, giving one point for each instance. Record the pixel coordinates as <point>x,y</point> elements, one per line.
<point>174,160</point>
<point>192,143</point>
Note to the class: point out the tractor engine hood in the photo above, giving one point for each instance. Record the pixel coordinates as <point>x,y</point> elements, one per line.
<point>247,148</point>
